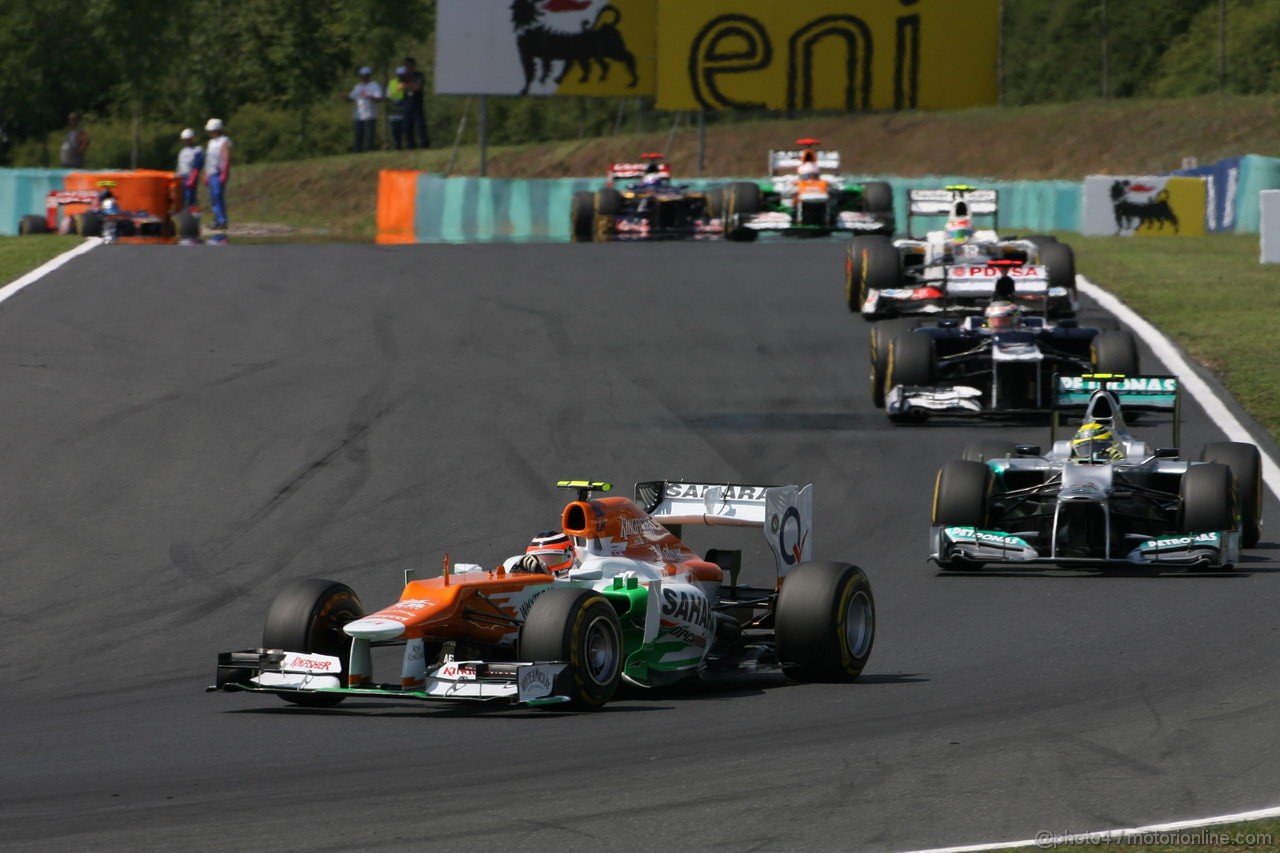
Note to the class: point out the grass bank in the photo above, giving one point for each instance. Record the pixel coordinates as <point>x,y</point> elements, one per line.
<point>20,255</point>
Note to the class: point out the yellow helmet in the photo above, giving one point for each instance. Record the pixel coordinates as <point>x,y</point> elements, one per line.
<point>1096,443</point>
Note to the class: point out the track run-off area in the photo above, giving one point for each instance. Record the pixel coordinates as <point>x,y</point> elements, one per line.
<point>188,429</point>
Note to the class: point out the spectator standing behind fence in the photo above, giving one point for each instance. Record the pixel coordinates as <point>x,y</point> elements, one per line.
<point>395,107</point>
<point>415,116</point>
<point>190,163</point>
<point>217,171</point>
<point>366,94</point>
<point>75,144</point>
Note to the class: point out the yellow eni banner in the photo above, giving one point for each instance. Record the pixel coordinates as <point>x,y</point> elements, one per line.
<point>843,55</point>
<point>545,47</point>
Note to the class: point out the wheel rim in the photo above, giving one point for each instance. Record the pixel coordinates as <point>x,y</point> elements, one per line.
<point>600,650</point>
<point>859,624</point>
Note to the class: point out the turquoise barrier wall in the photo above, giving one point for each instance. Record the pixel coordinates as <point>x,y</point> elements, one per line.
<point>500,210</point>
<point>1256,174</point>
<point>22,191</point>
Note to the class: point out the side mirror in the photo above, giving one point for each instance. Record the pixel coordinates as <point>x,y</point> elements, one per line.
<point>1069,324</point>
<point>1166,453</point>
<point>1027,449</point>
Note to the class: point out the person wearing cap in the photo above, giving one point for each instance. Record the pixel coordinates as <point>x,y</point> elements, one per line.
<point>366,94</point>
<point>217,170</point>
<point>190,162</point>
<point>395,107</point>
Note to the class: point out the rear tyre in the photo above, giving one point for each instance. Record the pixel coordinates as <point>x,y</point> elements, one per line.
<point>1207,499</point>
<point>877,197</point>
<point>581,627</point>
<point>741,201</point>
<point>911,361</point>
<point>1114,352</point>
<point>307,616</point>
<point>32,224</point>
<point>882,335</point>
<point>581,217</point>
<point>825,622</point>
<point>1060,262</point>
<point>1245,463</point>
<point>187,226</point>
<point>89,224</point>
<point>981,451</point>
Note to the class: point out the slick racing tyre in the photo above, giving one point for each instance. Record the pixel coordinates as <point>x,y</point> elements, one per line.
<point>581,627</point>
<point>581,217</point>
<point>961,496</point>
<point>873,263</point>
<point>988,448</point>
<point>1245,463</point>
<point>741,201</point>
<point>89,224</point>
<point>606,205</point>
<point>882,335</point>
<point>187,226</point>
<point>307,616</point>
<point>911,361</point>
<point>1059,260</point>
<point>715,203</point>
<point>28,225</point>
<point>877,197</point>
<point>825,622</point>
<point>1114,352</point>
<point>1207,499</point>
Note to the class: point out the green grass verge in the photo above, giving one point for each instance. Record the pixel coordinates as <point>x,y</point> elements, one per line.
<point>1211,295</point>
<point>19,255</point>
<point>1226,838</point>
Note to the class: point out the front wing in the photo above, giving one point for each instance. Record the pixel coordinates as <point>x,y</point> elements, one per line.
<point>951,545</point>
<point>850,221</point>
<point>284,673</point>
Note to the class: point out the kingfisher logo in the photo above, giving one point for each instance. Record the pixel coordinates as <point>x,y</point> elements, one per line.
<point>312,664</point>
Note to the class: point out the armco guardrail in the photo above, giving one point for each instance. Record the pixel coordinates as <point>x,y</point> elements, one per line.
<point>487,210</point>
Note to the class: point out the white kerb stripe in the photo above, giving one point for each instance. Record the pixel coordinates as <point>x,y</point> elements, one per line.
<point>1049,839</point>
<point>1204,393</point>
<point>40,272</point>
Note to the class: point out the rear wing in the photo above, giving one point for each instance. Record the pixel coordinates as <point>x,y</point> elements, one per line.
<point>1101,396</point>
<point>625,171</point>
<point>787,162</point>
<point>784,513</point>
<point>943,202</point>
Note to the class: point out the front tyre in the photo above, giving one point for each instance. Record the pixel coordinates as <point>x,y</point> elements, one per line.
<point>1245,463</point>
<point>1207,496</point>
<point>581,627</point>
<point>825,622</point>
<point>582,217</point>
<point>307,616</point>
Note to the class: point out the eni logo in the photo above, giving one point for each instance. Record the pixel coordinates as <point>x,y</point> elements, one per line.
<point>734,44</point>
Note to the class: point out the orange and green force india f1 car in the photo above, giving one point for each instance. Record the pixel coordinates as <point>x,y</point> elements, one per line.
<point>636,604</point>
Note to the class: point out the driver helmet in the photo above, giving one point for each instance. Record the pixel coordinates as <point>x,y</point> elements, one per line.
<point>1001,314</point>
<point>652,179</point>
<point>959,230</point>
<point>1094,442</point>
<point>554,550</point>
<point>109,205</point>
<point>808,171</point>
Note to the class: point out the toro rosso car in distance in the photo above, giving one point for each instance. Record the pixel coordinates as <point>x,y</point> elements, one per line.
<point>1001,362</point>
<point>648,206</point>
<point>954,270</point>
<point>805,195</point>
<point>1102,498</point>
<point>613,595</point>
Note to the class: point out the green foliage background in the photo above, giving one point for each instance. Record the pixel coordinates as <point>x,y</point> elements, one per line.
<point>278,70</point>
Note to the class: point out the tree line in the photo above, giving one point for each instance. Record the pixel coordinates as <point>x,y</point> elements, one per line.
<point>277,70</point>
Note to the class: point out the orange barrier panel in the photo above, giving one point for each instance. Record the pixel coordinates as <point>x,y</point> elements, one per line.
<point>397,193</point>
<point>150,190</point>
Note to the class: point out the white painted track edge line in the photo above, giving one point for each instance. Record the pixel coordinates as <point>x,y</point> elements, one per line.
<point>40,272</point>
<point>1049,840</point>
<point>1202,391</point>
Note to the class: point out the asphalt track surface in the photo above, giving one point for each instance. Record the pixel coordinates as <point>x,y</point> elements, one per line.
<point>187,429</point>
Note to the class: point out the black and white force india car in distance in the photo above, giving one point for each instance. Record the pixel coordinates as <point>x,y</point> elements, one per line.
<point>648,206</point>
<point>1107,499</point>
<point>999,363</point>
<point>955,270</point>
<point>806,196</point>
